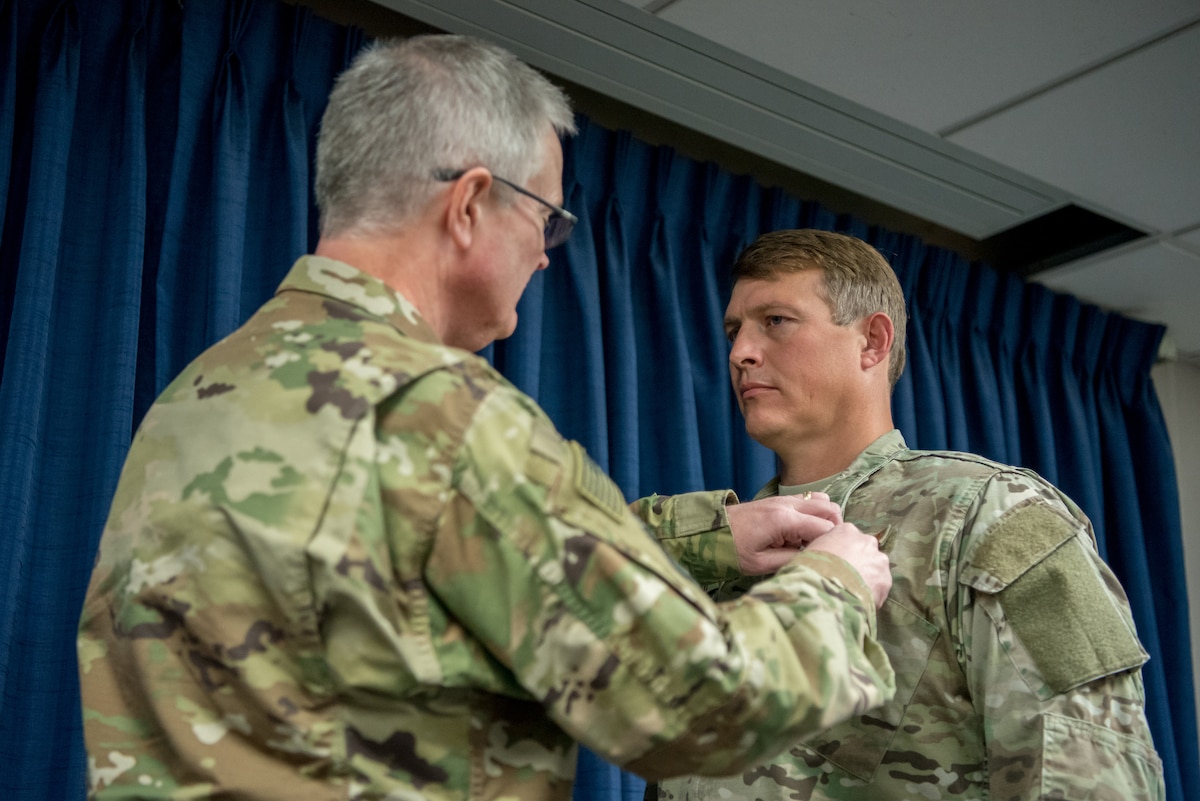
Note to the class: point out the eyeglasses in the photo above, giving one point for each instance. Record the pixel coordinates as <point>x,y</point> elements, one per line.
<point>559,224</point>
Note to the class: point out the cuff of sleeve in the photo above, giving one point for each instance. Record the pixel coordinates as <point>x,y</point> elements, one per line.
<point>703,541</point>
<point>838,569</point>
<point>702,513</point>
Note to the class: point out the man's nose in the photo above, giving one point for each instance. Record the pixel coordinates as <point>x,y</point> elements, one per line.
<point>742,351</point>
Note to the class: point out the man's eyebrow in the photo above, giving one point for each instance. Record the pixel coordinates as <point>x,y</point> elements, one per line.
<point>755,311</point>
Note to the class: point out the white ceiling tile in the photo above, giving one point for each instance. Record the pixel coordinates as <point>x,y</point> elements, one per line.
<point>1125,137</point>
<point>1191,238</point>
<point>1152,281</point>
<point>931,64</point>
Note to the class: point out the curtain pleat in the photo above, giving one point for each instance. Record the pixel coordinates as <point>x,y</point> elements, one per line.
<point>702,293</point>
<point>1088,473</point>
<point>620,353</point>
<point>155,185</point>
<point>980,349</point>
<point>185,264</point>
<point>224,207</point>
<point>64,411</point>
<point>8,116</point>
<point>1141,512</point>
<point>28,382</point>
<point>671,444</point>
<point>923,418</point>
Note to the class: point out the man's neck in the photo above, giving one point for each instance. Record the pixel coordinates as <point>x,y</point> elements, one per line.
<point>819,458</point>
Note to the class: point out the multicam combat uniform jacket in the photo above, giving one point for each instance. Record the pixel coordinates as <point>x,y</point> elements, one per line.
<point>345,561</point>
<point>1017,665</point>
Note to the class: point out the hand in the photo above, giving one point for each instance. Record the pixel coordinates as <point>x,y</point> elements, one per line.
<point>863,554</point>
<point>769,532</point>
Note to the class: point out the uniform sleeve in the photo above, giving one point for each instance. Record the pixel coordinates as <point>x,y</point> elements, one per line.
<point>541,559</point>
<point>1051,655</point>
<point>693,528</point>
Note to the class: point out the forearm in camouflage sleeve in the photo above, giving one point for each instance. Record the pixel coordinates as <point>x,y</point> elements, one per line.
<point>801,647</point>
<point>693,528</point>
<point>625,653</point>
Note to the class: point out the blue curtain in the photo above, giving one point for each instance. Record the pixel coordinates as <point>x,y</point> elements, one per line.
<point>154,187</point>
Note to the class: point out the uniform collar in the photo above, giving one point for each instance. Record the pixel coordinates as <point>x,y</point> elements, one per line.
<point>840,485</point>
<point>340,281</point>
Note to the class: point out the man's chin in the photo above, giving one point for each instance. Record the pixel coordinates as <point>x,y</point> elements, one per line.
<point>761,432</point>
<point>507,330</point>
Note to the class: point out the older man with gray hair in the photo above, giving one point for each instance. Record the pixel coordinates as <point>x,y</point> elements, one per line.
<point>347,559</point>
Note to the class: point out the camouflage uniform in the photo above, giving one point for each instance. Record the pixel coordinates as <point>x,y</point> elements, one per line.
<point>345,561</point>
<point>1017,664</point>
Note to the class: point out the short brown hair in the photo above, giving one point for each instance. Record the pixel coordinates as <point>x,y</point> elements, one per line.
<point>858,279</point>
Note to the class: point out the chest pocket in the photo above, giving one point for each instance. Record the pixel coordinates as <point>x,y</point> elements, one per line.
<point>858,746</point>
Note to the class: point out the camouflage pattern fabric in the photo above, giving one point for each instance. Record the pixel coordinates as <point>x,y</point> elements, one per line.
<point>345,561</point>
<point>694,529</point>
<point>1017,664</point>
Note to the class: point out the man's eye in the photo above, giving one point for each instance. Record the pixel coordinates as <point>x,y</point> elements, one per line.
<point>731,334</point>
<point>774,319</point>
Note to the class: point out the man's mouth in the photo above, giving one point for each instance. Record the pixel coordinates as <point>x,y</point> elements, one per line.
<point>752,389</point>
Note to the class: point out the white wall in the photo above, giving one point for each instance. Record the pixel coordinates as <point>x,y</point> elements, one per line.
<point>1178,386</point>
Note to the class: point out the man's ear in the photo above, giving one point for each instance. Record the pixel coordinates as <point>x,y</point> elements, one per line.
<point>467,205</point>
<point>879,335</point>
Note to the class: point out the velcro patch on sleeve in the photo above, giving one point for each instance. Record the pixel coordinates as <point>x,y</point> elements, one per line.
<point>595,486</point>
<point>1055,601</point>
<point>1022,538</point>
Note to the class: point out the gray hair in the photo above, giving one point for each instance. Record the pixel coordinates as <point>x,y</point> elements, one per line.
<point>858,280</point>
<point>405,108</point>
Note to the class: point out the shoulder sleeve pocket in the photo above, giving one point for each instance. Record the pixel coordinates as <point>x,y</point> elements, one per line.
<point>1053,598</point>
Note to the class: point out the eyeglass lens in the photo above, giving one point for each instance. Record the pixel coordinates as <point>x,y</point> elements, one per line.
<point>558,230</point>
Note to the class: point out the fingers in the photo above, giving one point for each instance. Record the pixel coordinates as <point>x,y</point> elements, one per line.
<point>768,561</point>
<point>863,554</point>
<point>816,504</point>
<point>768,532</point>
